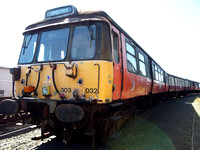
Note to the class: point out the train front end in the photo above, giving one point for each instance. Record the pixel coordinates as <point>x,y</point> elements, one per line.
<point>64,76</point>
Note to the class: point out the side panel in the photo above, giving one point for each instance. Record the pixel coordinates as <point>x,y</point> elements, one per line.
<point>134,85</point>
<point>171,84</point>
<point>166,82</point>
<point>158,79</point>
<point>116,50</point>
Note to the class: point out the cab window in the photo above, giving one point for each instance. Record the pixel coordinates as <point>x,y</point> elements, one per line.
<point>53,45</point>
<point>83,42</point>
<point>28,48</point>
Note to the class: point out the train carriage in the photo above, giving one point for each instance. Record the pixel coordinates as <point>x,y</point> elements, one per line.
<point>179,83</point>
<point>192,86</point>
<point>196,87</point>
<point>158,79</point>
<point>172,86</point>
<point>136,73</point>
<point>167,86</point>
<point>187,87</point>
<point>80,71</point>
<point>199,87</point>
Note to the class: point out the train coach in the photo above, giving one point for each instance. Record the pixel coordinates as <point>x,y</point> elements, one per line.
<point>80,71</point>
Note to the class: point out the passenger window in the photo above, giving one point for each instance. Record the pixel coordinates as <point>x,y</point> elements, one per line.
<point>131,60</point>
<point>159,76</point>
<point>116,47</point>
<point>167,78</point>
<point>162,78</point>
<point>142,65</point>
<point>156,72</point>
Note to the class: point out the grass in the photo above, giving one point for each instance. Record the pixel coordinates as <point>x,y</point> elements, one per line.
<point>139,134</point>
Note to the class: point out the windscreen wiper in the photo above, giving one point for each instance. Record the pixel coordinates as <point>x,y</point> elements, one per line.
<point>24,45</point>
<point>90,30</point>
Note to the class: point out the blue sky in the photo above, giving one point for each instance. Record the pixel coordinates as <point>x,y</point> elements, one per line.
<point>168,30</point>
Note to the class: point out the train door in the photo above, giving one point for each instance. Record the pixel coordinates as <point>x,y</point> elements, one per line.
<point>117,60</point>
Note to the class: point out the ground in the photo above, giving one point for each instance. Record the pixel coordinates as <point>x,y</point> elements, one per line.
<point>174,124</point>
<point>171,125</point>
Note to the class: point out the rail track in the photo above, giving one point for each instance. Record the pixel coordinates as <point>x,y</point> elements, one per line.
<point>21,139</point>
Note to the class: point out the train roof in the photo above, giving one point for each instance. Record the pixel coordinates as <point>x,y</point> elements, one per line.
<point>81,16</point>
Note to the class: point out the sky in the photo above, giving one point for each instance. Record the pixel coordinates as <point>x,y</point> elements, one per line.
<point>168,30</point>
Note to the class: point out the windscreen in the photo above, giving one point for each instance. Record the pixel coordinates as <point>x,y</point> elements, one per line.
<point>28,48</point>
<point>83,42</point>
<point>53,45</point>
<point>74,42</point>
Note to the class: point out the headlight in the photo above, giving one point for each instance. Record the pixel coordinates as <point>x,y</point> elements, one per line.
<point>46,89</point>
<point>77,93</point>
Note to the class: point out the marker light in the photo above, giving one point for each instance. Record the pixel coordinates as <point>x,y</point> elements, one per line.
<point>60,12</point>
<point>29,89</point>
<point>46,89</point>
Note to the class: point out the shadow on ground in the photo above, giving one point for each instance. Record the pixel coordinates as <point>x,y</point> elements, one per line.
<point>171,125</point>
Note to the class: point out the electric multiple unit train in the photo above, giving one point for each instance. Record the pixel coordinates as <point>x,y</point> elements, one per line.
<point>79,71</point>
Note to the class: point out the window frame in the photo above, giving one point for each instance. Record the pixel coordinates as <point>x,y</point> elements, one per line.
<point>114,50</point>
<point>132,55</point>
<point>143,62</point>
<point>158,73</point>
<point>35,51</point>
<point>39,44</point>
<point>71,41</point>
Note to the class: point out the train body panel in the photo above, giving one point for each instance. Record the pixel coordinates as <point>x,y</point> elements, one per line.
<point>158,87</point>
<point>118,62</point>
<point>172,86</point>
<point>158,79</point>
<point>167,86</point>
<point>179,83</point>
<point>135,80</point>
<point>90,82</point>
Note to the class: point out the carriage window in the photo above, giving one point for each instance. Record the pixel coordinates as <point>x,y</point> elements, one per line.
<point>116,47</point>
<point>167,78</point>
<point>172,81</point>
<point>84,42</point>
<point>156,72</point>
<point>53,45</point>
<point>142,65</point>
<point>130,49</point>
<point>159,75</point>
<point>162,77</point>
<point>131,60</point>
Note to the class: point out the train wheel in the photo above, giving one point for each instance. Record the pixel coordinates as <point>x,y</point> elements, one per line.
<point>102,130</point>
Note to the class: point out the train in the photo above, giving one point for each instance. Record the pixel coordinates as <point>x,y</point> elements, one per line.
<point>79,72</point>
